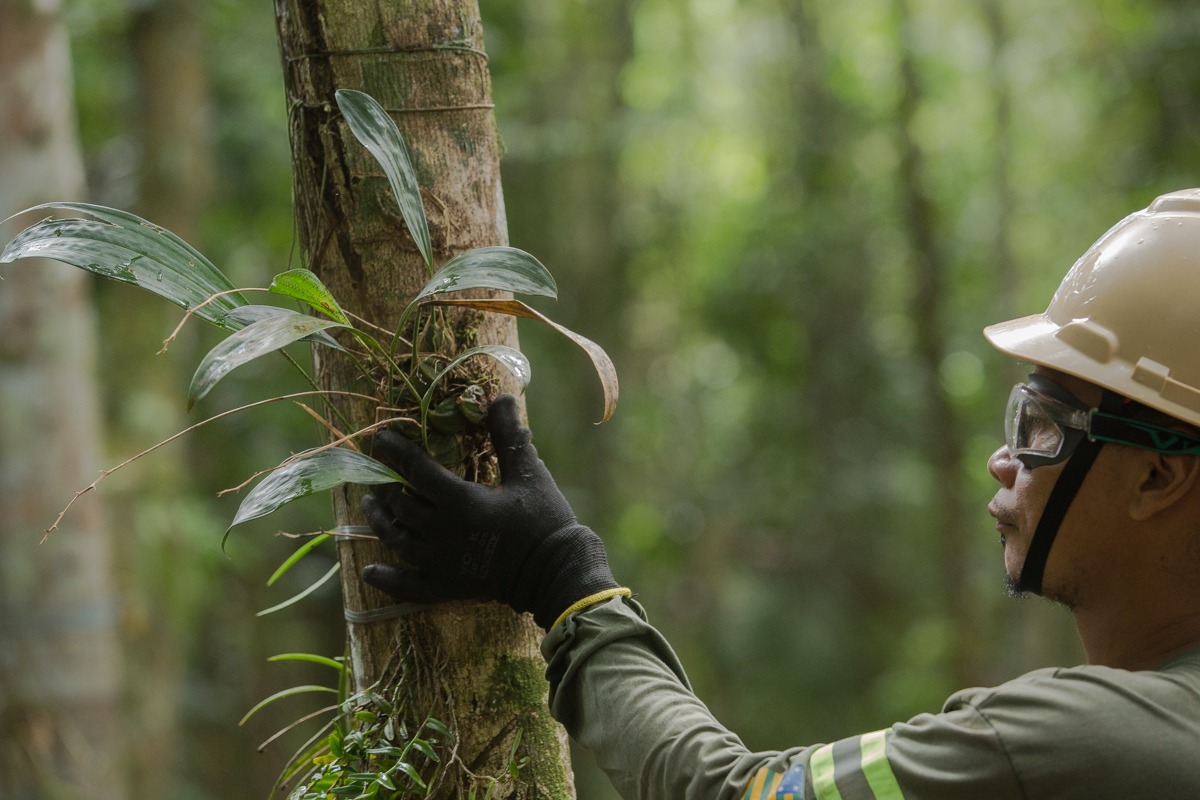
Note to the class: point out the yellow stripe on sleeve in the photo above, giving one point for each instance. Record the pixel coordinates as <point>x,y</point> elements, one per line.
<point>763,785</point>
<point>754,790</point>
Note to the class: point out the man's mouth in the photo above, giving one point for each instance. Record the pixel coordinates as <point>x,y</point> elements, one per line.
<point>1004,520</point>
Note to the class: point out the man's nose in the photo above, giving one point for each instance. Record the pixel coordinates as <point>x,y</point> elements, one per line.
<point>1002,466</point>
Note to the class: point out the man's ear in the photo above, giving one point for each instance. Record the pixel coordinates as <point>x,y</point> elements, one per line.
<point>1164,481</point>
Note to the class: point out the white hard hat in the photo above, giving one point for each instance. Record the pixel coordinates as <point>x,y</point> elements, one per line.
<point>1127,315</point>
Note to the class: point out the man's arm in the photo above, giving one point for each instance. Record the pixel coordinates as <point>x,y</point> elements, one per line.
<point>618,688</point>
<point>615,682</point>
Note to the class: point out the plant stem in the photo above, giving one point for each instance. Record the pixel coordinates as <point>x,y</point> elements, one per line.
<point>187,430</point>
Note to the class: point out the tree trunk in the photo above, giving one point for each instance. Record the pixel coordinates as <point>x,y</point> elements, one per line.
<point>942,421</point>
<point>60,732</point>
<point>475,667</point>
<point>174,179</point>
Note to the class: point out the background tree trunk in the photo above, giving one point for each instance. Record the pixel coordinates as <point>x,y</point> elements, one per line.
<point>941,418</point>
<point>475,667</point>
<point>171,128</point>
<point>60,733</point>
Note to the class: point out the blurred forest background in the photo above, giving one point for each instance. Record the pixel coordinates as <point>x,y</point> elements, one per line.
<point>786,220</point>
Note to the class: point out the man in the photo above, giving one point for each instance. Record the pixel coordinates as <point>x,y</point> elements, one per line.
<point>1098,509</point>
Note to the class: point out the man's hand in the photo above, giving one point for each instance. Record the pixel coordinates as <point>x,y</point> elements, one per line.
<point>518,542</point>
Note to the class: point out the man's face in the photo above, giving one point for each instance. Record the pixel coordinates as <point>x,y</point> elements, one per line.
<point>1021,498</point>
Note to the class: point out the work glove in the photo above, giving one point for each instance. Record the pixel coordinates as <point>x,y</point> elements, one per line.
<point>518,542</point>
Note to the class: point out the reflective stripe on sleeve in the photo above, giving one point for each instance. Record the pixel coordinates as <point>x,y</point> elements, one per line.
<point>822,767</point>
<point>876,767</point>
<point>859,767</point>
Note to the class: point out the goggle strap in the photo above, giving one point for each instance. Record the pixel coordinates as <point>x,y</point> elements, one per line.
<point>1122,430</point>
<point>1058,503</point>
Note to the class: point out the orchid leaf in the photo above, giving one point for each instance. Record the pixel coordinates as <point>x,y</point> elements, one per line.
<point>504,268</point>
<point>262,337</point>
<point>292,692</point>
<point>510,358</point>
<point>296,598</point>
<point>308,473</point>
<point>312,659</point>
<point>305,286</point>
<point>603,365</point>
<point>242,316</point>
<point>300,553</point>
<point>126,248</point>
<point>376,131</point>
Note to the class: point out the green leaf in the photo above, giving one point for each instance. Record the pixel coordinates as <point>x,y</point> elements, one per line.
<point>335,742</point>
<point>127,248</point>
<point>504,268</point>
<point>426,749</point>
<point>296,598</point>
<point>390,752</point>
<point>438,726</point>
<point>510,358</point>
<point>603,365</point>
<point>411,772</point>
<point>310,472</point>
<point>242,316</point>
<point>305,286</point>
<point>300,553</point>
<point>295,690</point>
<point>372,126</point>
<point>257,339</point>
<point>311,658</point>
<point>513,768</point>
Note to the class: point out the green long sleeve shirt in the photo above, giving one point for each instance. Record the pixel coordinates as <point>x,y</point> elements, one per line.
<point>1062,734</point>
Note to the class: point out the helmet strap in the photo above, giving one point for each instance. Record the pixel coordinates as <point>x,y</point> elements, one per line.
<point>1059,503</point>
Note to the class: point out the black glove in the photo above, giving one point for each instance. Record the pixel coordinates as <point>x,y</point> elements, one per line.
<point>518,542</point>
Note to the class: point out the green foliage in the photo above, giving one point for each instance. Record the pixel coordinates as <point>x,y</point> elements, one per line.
<point>303,285</point>
<point>724,178</point>
<point>295,557</point>
<point>256,339</point>
<point>372,126</point>
<point>505,268</point>
<point>296,598</point>
<point>372,754</point>
<point>428,379</point>
<point>369,747</point>
<point>129,249</point>
<point>728,177</point>
<point>309,657</point>
<point>280,695</point>
<point>311,471</point>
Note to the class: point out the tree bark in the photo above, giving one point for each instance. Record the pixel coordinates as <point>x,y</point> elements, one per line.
<point>942,420</point>
<point>60,664</point>
<point>475,667</point>
<point>170,124</point>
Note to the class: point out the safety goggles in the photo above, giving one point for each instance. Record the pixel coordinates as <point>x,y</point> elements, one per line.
<point>1041,429</point>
